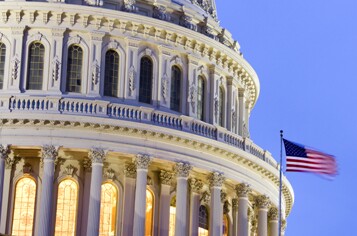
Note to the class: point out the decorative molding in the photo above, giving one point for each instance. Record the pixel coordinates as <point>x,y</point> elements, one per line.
<point>56,68</point>
<point>130,170</point>
<point>15,71</point>
<point>74,40</point>
<point>216,179</point>
<point>69,170</point>
<point>223,196</point>
<point>95,72</point>
<point>235,202</point>
<point>196,185</point>
<point>26,168</point>
<point>148,52</point>
<point>97,155</point>
<point>192,97</point>
<point>243,190</point>
<point>182,169</point>
<point>160,12</point>
<point>87,164</point>
<point>11,161</point>
<point>166,177</point>
<point>49,152</point>
<point>262,202</point>
<point>205,197</point>
<point>109,174</point>
<point>131,77</point>
<point>226,207</point>
<point>165,88</point>
<point>142,161</point>
<point>4,151</point>
<point>273,213</point>
<point>129,6</point>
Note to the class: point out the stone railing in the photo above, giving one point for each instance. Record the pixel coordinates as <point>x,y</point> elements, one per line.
<point>99,108</point>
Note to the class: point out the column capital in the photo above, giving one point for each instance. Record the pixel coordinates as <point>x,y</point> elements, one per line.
<point>87,164</point>
<point>182,169</point>
<point>4,151</point>
<point>142,161</point>
<point>273,213</point>
<point>130,170</point>
<point>262,201</point>
<point>97,155</point>
<point>223,196</point>
<point>166,177</point>
<point>284,224</point>
<point>196,185</point>
<point>243,189</point>
<point>205,197</point>
<point>216,179</point>
<point>235,203</point>
<point>49,152</point>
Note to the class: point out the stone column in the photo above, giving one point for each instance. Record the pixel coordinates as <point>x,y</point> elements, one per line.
<point>182,172</point>
<point>97,157</point>
<point>273,221</point>
<point>4,152</point>
<point>87,167</point>
<point>241,111</point>
<point>235,216</point>
<point>195,187</point>
<point>142,164</point>
<point>263,204</point>
<point>216,180</point>
<point>166,178</point>
<point>243,190</point>
<point>49,155</point>
<point>129,198</point>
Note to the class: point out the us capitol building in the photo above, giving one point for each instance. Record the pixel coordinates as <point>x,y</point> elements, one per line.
<point>129,117</point>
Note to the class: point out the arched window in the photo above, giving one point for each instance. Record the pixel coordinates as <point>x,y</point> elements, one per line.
<point>35,66</point>
<point>111,75</point>
<point>74,69</point>
<point>200,98</point>
<point>66,212</point>
<point>225,225</point>
<point>172,216</point>
<point>108,209</point>
<point>203,221</point>
<point>24,207</point>
<point>221,107</point>
<point>149,212</point>
<point>2,64</point>
<point>175,98</point>
<point>146,70</point>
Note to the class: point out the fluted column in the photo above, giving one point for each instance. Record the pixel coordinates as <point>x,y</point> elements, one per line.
<point>273,221</point>
<point>142,164</point>
<point>182,172</point>
<point>87,167</point>
<point>129,198</point>
<point>97,157</point>
<point>216,180</point>
<point>263,204</point>
<point>195,187</point>
<point>49,155</point>
<point>4,152</point>
<point>235,216</point>
<point>166,178</point>
<point>243,190</point>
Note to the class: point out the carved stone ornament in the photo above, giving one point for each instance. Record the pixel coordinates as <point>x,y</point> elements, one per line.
<point>186,21</point>
<point>27,168</point>
<point>149,181</point>
<point>165,87</point>
<point>216,179</point>
<point>109,174</point>
<point>130,170</point>
<point>131,77</point>
<point>283,225</point>
<point>160,13</point>
<point>148,52</point>
<point>69,170</point>
<point>262,201</point>
<point>223,196</point>
<point>56,65</point>
<point>226,207</point>
<point>182,169</point>
<point>87,164</point>
<point>205,197</point>
<point>273,213</point>
<point>15,68</point>
<point>4,151</point>
<point>166,177</point>
<point>246,133</point>
<point>95,72</point>
<point>196,185</point>
<point>192,97</point>
<point>142,162</point>
<point>128,6</point>
<point>97,155</point>
<point>216,108</point>
<point>243,189</point>
<point>94,2</point>
<point>49,152</point>
<point>10,161</point>
<point>235,202</point>
<point>234,119</point>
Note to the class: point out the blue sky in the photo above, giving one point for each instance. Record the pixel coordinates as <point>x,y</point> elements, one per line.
<point>305,54</point>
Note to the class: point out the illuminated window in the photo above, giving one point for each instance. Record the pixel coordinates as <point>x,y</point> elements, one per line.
<point>24,208</point>
<point>35,66</point>
<point>200,97</point>
<point>225,225</point>
<point>108,209</point>
<point>111,74</point>
<point>203,221</point>
<point>146,70</point>
<point>175,88</point>
<point>66,208</point>
<point>221,106</point>
<point>149,212</point>
<point>172,216</point>
<point>74,69</point>
<point>2,63</point>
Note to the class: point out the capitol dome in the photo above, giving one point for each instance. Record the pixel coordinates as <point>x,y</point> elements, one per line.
<point>129,117</point>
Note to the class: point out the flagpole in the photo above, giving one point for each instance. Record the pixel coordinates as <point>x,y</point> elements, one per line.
<point>280,178</point>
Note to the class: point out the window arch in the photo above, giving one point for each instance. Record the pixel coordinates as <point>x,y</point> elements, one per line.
<point>111,75</point>
<point>146,76</point>
<point>203,221</point>
<point>108,209</point>
<point>35,67</point>
<point>2,64</point>
<point>175,98</point>
<point>172,220</point>
<point>24,207</point>
<point>66,212</point>
<point>149,212</point>
<point>200,97</point>
<point>225,225</point>
<point>221,107</point>
<point>74,68</point>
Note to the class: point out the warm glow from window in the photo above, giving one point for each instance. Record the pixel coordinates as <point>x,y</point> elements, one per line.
<point>66,208</point>
<point>24,208</point>
<point>202,232</point>
<point>203,221</point>
<point>172,221</point>
<point>108,209</point>
<point>225,225</point>
<point>149,213</point>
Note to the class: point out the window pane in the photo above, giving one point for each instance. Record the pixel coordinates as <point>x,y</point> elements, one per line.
<point>221,106</point>
<point>24,207</point>
<point>225,225</point>
<point>145,90</point>
<point>111,74</point>
<point>175,88</point>
<point>74,69</point>
<point>2,64</point>
<point>108,210</point>
<point>200,97</point>
<point>66,213</point>
<point>35,66</point>
<point>203,221</point>
<point>149,212</point>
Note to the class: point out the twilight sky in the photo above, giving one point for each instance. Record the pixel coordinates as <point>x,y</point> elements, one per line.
<point>305,54</point>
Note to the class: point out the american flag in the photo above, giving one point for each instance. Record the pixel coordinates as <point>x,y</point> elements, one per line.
<point>300,158</point>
